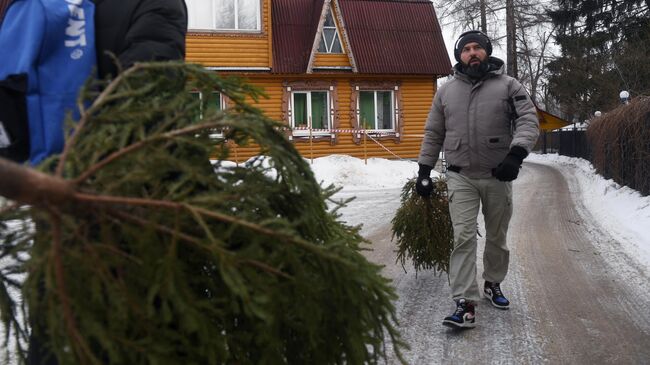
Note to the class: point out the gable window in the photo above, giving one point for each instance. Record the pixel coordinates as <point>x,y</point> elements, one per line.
<point>229,15</point>
<point>330,41</point>
<point>376,110</point>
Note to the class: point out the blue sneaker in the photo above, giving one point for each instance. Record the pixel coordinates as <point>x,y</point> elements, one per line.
<point>463,317</point>
<point>494,294</point>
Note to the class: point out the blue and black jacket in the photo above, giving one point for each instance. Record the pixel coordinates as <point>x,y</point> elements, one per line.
<point>45,57</point>
<point>48,51</point>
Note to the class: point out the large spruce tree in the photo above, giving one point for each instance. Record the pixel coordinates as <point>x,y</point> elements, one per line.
<point>604,47</point>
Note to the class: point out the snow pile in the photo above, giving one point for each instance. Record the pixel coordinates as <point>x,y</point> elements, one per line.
<point>353,174</point>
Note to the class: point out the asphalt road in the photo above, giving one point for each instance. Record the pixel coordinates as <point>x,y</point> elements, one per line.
<point>575,298</point>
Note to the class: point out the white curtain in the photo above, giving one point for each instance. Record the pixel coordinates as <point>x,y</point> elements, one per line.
<point>225,10</point>
<point>200,14</point>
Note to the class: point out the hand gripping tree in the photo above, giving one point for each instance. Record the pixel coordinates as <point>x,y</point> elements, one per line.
<point>130,248</point>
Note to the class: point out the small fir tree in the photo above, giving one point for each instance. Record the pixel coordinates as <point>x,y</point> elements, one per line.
<point>422,228</point>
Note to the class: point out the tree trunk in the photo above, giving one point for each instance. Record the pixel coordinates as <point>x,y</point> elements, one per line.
<point>483,17</point>
<point>29,186</point>
<point>511,40</point>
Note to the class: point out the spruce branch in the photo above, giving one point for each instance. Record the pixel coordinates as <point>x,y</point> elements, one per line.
<point>84,352</point>
<point>193,240</point>
<point>114,200</point>
<point>86,113</point>
<point>135,146</point>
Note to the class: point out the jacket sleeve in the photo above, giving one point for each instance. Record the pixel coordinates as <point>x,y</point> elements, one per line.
<point>526,124</point>
<point>434,133</point>
<point>156,33</point>
<point>21,34</point>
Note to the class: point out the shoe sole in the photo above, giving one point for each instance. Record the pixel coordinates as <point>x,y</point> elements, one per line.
<point>452,324</point>
<point>489,298</point>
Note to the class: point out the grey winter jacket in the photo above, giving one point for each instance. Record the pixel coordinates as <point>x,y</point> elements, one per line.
<point>475,124</point>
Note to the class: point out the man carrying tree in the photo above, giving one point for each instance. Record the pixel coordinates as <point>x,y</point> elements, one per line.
<point>487,124</point>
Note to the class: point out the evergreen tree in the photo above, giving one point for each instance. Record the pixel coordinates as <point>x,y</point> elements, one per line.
<point>138,251</point>
<point>604,50</point>
<point>422,228</point>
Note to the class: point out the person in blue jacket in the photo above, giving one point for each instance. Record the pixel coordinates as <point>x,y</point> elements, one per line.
<point>51,44</point>
<point>50,48</point>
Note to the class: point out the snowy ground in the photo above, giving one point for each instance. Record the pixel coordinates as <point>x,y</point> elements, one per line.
<point>578,278</point>
<point>623,211</point>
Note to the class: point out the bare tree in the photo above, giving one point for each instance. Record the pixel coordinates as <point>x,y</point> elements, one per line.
<point>511,39</point>
<point>462,15</point>
<point>528,33</point>
<point>534,35</point>
<point>483,7</point>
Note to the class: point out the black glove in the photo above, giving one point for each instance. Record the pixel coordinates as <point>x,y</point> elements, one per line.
<point>424,185</point>
<point>508,169</point>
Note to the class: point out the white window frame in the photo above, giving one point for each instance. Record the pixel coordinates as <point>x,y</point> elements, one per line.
<point>222,105</point>
<point>306,132</point>
<point>328,47</point>
<point>258,23</point>
<point>393,110</point>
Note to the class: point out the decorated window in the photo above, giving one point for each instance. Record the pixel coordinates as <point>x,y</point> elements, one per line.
<point>309,109</point>
<point>330,41</point>
<point>377,112</point>
<point>226,15</point>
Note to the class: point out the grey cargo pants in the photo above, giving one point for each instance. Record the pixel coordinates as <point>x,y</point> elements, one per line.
<point>465,197</point>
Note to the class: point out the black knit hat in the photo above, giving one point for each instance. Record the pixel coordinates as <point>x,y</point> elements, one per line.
<point>472,36</point>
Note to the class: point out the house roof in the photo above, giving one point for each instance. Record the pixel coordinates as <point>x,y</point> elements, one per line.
<point>386,36</point>
<point>548,121</point>
<point>294,28</point>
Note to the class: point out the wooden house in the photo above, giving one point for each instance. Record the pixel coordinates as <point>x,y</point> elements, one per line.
<point>348,76</point>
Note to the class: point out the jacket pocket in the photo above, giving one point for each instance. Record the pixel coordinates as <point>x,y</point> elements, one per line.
<point>455,153</point>
<point>14,126</point>
<point>498,142</point>
<point>494,149</point>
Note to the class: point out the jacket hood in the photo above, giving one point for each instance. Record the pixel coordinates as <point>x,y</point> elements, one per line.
<point>495,68</point>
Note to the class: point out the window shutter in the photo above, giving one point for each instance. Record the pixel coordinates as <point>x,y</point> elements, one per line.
<point>289,106</point>
<point>396,116</point>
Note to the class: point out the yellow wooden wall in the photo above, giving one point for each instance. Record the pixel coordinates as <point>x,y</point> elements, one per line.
<point>233,49</point>
<point>417,95</point>
<point>324,59</point>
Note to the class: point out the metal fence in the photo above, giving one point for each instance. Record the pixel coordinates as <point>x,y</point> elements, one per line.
<point>565,142</point>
